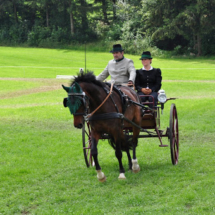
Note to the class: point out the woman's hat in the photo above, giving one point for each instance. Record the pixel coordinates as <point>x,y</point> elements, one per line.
<point>146,55</point>
<point>117,48</point>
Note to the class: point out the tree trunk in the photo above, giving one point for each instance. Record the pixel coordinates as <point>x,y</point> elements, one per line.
<point>72,23</point>
<point>199,44</point>
<point>104,10</point>
<point>47,16</point>
<point>114,10</point>
<point>15,13</point>
<point>84,21</point>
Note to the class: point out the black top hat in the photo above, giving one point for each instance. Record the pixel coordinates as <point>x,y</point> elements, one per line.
<point>146,55</point>
<point>117,48</point>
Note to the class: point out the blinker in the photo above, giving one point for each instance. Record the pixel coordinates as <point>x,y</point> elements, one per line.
<point>65,100</point>
<point>73,101</point>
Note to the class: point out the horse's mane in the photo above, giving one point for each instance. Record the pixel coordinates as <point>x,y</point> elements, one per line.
<point>87,77</point>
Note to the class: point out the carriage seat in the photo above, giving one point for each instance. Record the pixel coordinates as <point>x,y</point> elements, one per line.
<point>147,102</point>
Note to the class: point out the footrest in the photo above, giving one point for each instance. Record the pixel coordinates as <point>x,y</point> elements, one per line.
<point>163,145</point>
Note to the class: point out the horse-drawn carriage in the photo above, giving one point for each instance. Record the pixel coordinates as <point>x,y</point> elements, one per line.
<point>105,111</point>
<point>151,122</point>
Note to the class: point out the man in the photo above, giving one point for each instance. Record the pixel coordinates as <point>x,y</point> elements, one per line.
<point>120,69</point>
<point>148,80</point>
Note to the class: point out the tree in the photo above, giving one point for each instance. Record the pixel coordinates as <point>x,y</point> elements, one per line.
<point>70,6</point>
<point>45,4</point>
<point>11,6</point>
<point>190,19</point>
<point>104,9</point>
<point>83,9</point>
<point>198,17</point>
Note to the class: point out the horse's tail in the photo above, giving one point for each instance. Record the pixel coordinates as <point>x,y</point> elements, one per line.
<point>126,144</point>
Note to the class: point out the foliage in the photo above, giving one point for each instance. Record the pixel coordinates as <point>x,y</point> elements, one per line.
<point>16,33</point>
<point>191,19</point>
<point>169,24</point>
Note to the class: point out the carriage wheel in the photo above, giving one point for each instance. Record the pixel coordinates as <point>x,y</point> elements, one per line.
<point>174,134</point>
<point>86,138</point>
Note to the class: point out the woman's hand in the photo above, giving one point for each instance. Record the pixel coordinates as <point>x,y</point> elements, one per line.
<point>146,91</point>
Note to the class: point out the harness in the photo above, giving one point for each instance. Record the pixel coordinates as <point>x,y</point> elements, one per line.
<point>123,97</point>
<point>125,101</point>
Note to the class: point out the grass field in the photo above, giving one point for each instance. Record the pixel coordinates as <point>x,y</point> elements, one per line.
<point>42,169</point>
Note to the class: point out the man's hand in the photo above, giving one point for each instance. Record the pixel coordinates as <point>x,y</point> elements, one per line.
<point>130,83</point>
<point>146,91</point>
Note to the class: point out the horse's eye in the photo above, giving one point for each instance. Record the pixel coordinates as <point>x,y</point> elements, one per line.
<point>65,100</point>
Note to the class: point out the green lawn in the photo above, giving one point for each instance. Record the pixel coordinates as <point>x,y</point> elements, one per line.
<point>42,168</point>
<point>47,63</point>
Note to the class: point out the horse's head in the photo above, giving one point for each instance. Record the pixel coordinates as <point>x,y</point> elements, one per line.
<point>76,102</point>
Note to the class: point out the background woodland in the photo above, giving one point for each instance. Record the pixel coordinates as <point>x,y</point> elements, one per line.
<point>184,27</point>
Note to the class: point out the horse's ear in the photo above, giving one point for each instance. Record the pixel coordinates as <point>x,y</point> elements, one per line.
<point>65,88</point>
<point>77,88</point>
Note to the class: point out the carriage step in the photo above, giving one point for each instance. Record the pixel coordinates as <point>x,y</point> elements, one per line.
<point>163,145</point>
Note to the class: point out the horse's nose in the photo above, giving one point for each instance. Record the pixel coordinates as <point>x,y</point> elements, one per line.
<point>80,125</point>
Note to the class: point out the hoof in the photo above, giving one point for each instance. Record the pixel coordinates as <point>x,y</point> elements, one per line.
<point>122,176</point>
<point>102,179</point>
<point>101,176</point>
<point>136,170</point>
<point>135,166</point>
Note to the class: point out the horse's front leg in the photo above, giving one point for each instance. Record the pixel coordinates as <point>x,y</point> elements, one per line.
<point>94,152</point>
<point>118,154</point>
<point>129,160</point>
<point>135,165</point>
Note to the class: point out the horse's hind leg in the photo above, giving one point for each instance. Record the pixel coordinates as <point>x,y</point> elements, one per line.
<point>94,151</point>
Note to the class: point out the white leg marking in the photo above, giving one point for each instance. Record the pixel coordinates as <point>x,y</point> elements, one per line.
<point>135,166</point>
<point>121,176</point>
<point>101,176</point>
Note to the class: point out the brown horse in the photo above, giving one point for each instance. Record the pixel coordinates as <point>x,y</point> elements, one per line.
<point>85,95</point>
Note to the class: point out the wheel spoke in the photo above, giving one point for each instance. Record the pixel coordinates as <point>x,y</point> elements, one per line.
<point>86,138</point>
<point>87,134</point>
<point>174,146</point>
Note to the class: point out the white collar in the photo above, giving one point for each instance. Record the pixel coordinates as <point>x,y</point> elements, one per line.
<point>151,68</point>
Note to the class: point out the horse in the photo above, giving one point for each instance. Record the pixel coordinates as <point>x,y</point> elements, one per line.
<point>86,101</point>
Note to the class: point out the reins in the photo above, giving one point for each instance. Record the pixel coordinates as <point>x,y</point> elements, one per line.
<point>111,89</point>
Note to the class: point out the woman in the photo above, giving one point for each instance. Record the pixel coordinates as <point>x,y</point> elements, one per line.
<point>148,79</point>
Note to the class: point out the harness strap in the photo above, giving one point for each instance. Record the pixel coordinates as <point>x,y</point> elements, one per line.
<point>78,114</point>
<point>76,94</point>
<point>103,116</point>
<point>113,115</point>
<point>122,96</point>
<point>134,124</point>
<point>107,91</point>
<point>111,89</point>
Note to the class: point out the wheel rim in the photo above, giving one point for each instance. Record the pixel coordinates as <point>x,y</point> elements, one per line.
<point>86,139</point>
<point>174,135</point>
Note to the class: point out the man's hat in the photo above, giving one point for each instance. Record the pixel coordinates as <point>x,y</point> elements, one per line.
<point>146,55</point>
<point>117,48</point>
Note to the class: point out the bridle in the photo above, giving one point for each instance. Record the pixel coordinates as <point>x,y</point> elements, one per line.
<point>109,94</point>
<point>84,99</point>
